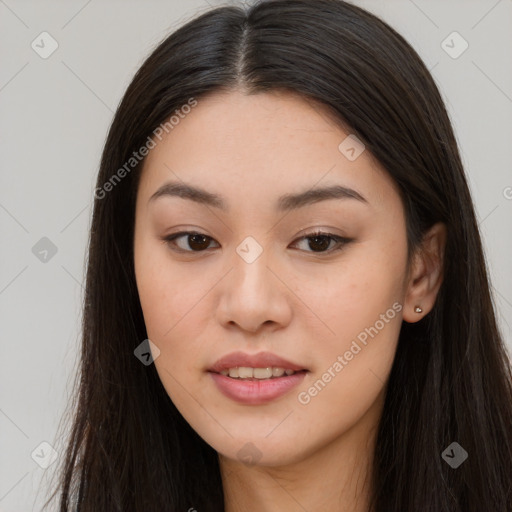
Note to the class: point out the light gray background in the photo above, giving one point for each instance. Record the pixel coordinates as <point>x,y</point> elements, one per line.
<point>54,115</point>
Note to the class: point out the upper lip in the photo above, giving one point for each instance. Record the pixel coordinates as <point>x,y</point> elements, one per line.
<point>260,360</point>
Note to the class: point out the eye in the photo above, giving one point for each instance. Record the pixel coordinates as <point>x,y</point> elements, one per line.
<point>319,241</point>
<point>198,242</point>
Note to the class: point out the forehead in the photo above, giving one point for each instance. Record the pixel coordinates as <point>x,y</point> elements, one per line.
<point>260,146</point>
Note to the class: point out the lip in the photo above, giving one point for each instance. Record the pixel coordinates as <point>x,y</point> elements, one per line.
<point>260,360</point>
<point>256,392</point>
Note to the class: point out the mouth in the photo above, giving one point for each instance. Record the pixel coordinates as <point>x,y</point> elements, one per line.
<point>247,373</point>
<point>263,365</point>
<point>249,389</point>
<point>255,379</point>
<point>257,374</point>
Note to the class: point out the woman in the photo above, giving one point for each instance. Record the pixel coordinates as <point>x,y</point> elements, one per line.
<point>287,305</point>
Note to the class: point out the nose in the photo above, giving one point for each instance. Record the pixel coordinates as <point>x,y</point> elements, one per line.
<point>254,294</point>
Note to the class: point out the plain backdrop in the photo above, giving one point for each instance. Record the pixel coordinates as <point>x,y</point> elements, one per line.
<point>54,115</point>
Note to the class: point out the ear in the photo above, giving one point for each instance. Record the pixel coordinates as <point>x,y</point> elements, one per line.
<point>425,274</point>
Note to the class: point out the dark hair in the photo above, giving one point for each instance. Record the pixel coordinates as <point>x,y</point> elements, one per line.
<point>129,447</point>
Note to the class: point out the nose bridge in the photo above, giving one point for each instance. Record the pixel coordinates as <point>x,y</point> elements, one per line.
<point>251,294</point>
<point>251,274</point>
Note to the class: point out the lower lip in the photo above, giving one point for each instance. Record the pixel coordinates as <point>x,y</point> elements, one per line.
<point>256,392</point>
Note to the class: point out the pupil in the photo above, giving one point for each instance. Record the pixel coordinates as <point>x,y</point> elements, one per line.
<point>323,245</point>
<point>195,239</point>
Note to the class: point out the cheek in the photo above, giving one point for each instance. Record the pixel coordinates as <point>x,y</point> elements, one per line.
<point>165,301</point>
<point>166,293</point>
<point>351,295</point>
<point>353,364</point>
<point>155,295</point>
<point>360,308</point>
<point>174,303</point>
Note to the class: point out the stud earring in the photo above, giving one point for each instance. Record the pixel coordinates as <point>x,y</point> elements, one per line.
<point>417,309</point>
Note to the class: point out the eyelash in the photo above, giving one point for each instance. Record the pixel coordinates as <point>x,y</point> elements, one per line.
<point>342,241</point>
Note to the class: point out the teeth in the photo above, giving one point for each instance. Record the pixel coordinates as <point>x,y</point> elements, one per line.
<point>244,372</point>
<point>277,372</point>
<point>261,373</point>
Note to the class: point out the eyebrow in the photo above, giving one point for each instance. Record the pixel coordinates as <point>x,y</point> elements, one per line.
<point>285,203</point>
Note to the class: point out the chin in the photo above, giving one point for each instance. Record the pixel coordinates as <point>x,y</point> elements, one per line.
<point>260,452</point>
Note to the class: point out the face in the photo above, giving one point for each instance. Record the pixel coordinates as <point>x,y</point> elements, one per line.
<point>254,275</point>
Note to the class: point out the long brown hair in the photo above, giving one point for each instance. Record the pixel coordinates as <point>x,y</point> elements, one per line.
<point>129,448</point>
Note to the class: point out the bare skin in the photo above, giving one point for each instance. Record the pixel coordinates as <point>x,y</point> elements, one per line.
<point>301,300</point>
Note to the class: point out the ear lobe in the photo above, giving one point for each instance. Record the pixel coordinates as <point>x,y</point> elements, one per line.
<point>426,274</point>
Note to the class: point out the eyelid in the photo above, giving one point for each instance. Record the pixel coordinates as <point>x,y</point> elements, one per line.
<point>340,240</point>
